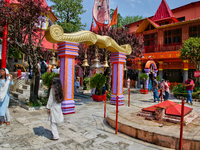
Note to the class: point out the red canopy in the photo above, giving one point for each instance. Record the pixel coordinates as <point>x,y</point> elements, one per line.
<point>172,108</point>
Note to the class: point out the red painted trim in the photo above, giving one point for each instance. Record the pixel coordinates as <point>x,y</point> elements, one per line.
<point>68,107</point>
<point>68,113</point>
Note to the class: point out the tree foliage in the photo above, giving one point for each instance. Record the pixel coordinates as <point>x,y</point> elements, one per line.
<point>24,20</point>
<point>191,51</point>
<point>68,13</point>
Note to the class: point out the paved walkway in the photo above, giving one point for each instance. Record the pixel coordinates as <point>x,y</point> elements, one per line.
<point>86,129</point>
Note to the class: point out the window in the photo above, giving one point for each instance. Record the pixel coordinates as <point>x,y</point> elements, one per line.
<point>149,27</point>
<point>173,36</point>
<point>194,31</point>
<point>181,19</point>
<point>150,39</point>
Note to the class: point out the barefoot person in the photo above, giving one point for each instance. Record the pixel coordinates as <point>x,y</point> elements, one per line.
<point>54,106</point>
<point>5,80</point>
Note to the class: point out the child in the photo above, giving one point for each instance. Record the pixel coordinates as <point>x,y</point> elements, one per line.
<point>54,106</point>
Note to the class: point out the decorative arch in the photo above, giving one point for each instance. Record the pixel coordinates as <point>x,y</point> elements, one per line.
<point>149,63</point>
<point>68,50</point>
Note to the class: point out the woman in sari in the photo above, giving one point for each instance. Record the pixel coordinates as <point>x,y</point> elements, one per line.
<point>6,79</point>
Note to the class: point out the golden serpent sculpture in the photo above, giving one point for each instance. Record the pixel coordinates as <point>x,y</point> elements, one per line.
<point>55,34</point>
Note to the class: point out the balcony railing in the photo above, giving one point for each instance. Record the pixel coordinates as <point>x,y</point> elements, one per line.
<point>162,48</point>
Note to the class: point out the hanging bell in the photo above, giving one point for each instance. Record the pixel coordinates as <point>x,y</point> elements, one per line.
<point>96,64</point>
<point>53,61</point>
<point>105,64</point>
<point>125,68</point>
<point>85,63</point>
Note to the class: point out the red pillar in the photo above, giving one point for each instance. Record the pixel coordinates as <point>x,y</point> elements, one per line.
<point>4,44</point>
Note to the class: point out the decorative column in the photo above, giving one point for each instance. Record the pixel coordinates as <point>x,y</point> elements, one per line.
<point>147,70</point>
<point>5,41</point>
<point>118,59</point>
<point>67,52</point>
<point>185,70</point>
<point>139,72</point>
<point>160,69</point>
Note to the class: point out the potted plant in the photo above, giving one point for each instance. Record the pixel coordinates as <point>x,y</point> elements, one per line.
<point>144,77</point>
<point>98,81</point>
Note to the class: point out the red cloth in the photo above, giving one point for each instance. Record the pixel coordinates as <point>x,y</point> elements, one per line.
<point>114,18</point>
<point>189,82</point>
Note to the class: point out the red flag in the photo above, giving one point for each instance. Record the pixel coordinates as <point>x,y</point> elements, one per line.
<point>114,18</point>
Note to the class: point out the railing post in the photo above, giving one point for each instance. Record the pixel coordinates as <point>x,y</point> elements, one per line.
<point>129,97</point>
<point>105,104</point>
<point>117,115</point>
<point>181,129</point>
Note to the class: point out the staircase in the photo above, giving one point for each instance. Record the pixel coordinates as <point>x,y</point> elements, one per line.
<point>22,92</point>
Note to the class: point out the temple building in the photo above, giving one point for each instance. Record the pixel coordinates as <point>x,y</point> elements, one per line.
<point>163,35</point>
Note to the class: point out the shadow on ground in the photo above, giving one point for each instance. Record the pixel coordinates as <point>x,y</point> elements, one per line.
<point>41,131</point>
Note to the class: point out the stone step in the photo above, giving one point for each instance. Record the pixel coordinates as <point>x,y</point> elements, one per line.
<point>23,91</point>
<point>20,97</point>
<point>26,86</point>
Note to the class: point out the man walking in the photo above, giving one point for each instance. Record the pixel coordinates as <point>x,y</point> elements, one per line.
<point>155,89</point>
<point>189,84</point>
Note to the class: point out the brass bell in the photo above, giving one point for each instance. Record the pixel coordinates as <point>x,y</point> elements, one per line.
<point>53,61</point>
<point>125,68</point>
<point>85,63</point>
<point>96,64</point>
<point>105,64</point>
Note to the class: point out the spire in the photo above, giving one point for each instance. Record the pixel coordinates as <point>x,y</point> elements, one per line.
<point>92,26</point>
<point>163,12</point>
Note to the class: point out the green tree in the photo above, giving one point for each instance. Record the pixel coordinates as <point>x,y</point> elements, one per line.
<point>130,19</point>
<point>68,13</point>
<point>191,51</point>
<point>25,35</point>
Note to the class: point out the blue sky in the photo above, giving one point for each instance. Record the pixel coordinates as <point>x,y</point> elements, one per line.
<point>145,8</point>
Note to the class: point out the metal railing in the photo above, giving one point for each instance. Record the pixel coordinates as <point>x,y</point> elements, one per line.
<point>162,48</point>
<point>18,82</point>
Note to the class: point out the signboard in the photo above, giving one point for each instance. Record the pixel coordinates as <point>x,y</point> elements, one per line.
<point>197,74</point>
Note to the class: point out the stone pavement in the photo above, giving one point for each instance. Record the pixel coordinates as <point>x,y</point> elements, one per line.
<point>86,129</point>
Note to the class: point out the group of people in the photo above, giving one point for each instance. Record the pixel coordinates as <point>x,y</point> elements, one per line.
<point>164,89</point>
<point>44,66</point>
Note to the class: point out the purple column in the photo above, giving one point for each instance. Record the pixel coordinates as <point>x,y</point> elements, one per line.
<point>67,52</point>
<point>117,60</point>
<point>147,81</point>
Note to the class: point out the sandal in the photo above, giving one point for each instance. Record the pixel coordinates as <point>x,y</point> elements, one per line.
<point>53,139</point>
<point>7,123</point>
<point>2,122</point>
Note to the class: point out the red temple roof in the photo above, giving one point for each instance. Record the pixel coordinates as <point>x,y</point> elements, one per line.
<point>163,12</point>
<point>172,108</point>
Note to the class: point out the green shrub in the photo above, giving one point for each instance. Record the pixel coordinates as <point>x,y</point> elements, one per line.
<point>47,78</point>
<point>179,90</point>
<point>87,83</point>
<point>144,77</point>
<point>98,81</point>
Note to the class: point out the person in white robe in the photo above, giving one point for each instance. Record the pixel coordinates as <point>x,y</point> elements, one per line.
<point>54,106</point>
<point>6,79</point>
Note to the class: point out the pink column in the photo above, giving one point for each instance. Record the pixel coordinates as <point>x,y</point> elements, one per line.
<point>67,52</point>
<point>117,60</point>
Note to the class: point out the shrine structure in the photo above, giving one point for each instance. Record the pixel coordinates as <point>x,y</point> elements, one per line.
<point>68,49</point>
<point>164,34</point>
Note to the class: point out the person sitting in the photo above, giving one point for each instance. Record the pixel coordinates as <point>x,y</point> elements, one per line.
<point>77,85</point>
